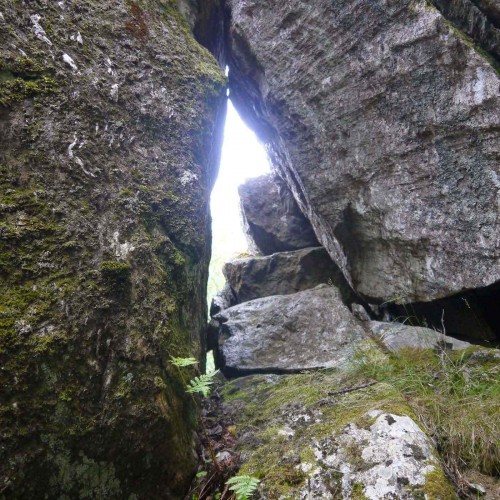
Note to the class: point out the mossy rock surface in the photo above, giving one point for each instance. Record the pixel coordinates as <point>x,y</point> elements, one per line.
<point>324,434</point>
<point>109,120</point>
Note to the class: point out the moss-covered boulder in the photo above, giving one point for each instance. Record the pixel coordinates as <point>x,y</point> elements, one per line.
<point>332,436</point>
<point>109,124</point>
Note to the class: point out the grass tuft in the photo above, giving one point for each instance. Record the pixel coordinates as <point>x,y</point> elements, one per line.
<point>455,395</point>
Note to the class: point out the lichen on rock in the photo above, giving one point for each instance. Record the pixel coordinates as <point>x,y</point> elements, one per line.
<point>327,434</point>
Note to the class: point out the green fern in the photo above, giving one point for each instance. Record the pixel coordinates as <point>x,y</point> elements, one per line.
<point>243,486</point>
<point>183,362</point>
<point>202,384</point>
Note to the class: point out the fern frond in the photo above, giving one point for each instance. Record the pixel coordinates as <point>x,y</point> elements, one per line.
<point>243,486</point>
<point>202,384</point>
<point>183,362</point>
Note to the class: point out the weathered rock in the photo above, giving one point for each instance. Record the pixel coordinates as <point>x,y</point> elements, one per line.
<point>383,119</point>
<point>315,436</point>
<point>107,154</point>
<point>288,333</point>
<point>389,458</point>
<point>397,336</point>
<point>478,19</point>
<point>282,273</point>
<point>222,300</point>
<point>360,312</point>
<point>271,217</point>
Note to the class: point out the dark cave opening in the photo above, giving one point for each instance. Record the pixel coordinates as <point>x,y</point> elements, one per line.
<point>472,315</point>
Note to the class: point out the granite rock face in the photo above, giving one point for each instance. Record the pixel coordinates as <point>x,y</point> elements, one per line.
<point>109,130</point>
<point>223,299</point>
<point>271,217</point>
<point>382,117</point>
<point>288,333</point>
<point>282,273</point>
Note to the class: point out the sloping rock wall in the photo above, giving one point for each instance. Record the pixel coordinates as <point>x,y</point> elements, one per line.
<point>109,127</point>
<point>383,119</point>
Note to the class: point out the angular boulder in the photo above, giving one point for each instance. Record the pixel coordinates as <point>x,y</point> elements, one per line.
<point>223,299</point>
<point>271,217</point>
<point>288,333</point>
<point>282,273</point>
<point>110,117</point>
<point>383,119</point>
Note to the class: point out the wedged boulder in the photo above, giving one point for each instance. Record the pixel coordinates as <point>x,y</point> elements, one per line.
<point>327,436</point>
<point>282,273</point>
<point>288,333</point>
<point>272,220</point>
<point>383,119</point>
<point>396,336</point>
<point>110,128</point>
<point>222,300</point>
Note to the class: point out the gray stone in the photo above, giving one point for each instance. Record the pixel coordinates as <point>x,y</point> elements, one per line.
<point>282,273</point>
<point>388,459</point>
<point>383,119</point>
<point>396,336</point>
<point>222,300</point>
<point>360,312</point>
<point>288,333</point>
<point>271,217</point>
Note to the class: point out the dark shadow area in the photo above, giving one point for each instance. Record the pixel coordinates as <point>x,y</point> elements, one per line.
<point>473,315</point>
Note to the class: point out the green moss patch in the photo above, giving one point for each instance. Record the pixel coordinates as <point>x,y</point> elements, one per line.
<point>279,418</point>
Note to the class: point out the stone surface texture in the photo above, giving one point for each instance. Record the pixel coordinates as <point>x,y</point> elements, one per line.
<point>388,459</point>
<point>325,435</point>
<point>396,336</point>
<point>282,273</point>
<point>288,333</point>
<point>382,117</point>
<point>272,220</point>
<point>109,115</point>
<point>479,20</point>
<point>223,299</point>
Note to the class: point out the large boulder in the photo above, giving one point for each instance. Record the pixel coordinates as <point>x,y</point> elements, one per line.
<point>109,130</point>
<point>288,333</point>
<point>272,220</point>
<point>383,118</point>
<point>282,273</point>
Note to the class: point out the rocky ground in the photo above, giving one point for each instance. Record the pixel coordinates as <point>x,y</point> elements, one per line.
<point>323,399</point>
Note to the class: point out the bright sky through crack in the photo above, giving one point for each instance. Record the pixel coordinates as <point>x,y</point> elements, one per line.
<point>243,157</point>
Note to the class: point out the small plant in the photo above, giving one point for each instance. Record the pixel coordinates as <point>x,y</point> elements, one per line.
<point>456,396</point>
<point>243,486</point>
<point>202,384</point>
<point>183,362</point>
